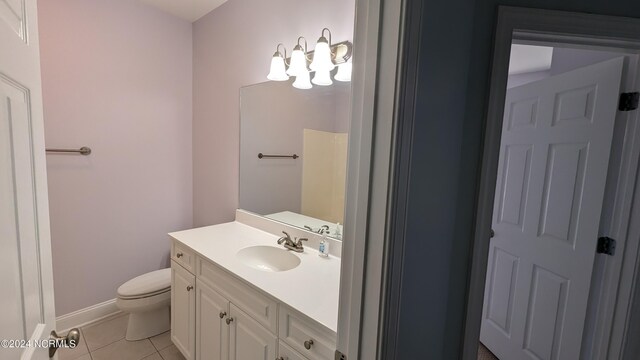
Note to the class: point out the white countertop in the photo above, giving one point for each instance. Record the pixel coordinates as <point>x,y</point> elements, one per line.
<point>311,288</point>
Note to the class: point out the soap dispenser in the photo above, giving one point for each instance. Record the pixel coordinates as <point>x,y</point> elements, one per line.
<point>323,249</point>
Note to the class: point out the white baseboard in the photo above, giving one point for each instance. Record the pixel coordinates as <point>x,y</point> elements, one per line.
<point>87,316</point>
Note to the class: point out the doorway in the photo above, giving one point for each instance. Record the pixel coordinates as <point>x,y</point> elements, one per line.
<point>564,177</point>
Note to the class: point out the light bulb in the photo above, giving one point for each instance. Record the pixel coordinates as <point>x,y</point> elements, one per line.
<point>322,78</point>
<point>298,62</point>
<point>277,71</point>
<point>344,72</point>
<point>302,80</point>
<point>322,56</point>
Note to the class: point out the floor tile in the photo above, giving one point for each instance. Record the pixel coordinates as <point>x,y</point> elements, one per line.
<point>105,333</point>
<point>124,350</point>
<point>170,353</point>
<point>154,356</point>
<point>161,341</point>
<point>74,353</point>
<point>84,357</point>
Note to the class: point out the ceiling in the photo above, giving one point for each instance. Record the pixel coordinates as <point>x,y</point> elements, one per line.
<point>190,10</point>
<point>528,58</point>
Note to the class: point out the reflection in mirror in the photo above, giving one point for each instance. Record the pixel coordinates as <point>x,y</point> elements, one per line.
<point>306,190</point>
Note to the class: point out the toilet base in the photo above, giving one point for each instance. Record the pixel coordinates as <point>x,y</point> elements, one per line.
<point>143,325</point>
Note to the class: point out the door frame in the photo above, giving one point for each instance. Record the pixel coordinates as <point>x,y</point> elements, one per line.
<point>379,26</point>
<point>579,29</point>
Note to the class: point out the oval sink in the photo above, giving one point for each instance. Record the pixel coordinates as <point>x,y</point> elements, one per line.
<point>268,258</point>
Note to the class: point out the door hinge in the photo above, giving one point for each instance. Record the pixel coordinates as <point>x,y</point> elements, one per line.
<point>629,101</point>
<point>340,356</point>
<point>606,245</point>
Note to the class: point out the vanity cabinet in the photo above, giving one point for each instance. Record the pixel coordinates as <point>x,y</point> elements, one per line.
<point>183,309</point>
<point>249,339</point>
<point>216,316</point>
<point>211,328</point>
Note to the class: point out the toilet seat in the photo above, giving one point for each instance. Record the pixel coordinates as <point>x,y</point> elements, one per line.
<point>146,285</point>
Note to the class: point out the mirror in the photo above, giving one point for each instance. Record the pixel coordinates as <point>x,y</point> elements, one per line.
<point>302,136</point>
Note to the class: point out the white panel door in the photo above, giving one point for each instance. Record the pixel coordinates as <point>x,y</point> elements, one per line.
<point>553,165</point>
<point>249,340</point>
<point>212,310</point>
<point>183,310</point>
<point>26,304</point>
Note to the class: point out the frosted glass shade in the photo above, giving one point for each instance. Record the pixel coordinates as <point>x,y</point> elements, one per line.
<point>278,70</point>
<point>322,78</point>
<point>298,63</point>
<point>344,72</point>
<point>322,57</point>
<point>302,80</point>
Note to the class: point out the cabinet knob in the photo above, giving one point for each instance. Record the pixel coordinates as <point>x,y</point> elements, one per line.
<point>308,344</point>
<point>179,255</point>
<point>223,314</point>
<point>190,287</point>
<point>229,320</point>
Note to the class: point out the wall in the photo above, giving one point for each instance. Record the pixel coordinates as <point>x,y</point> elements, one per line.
<point>116,76</point>
<point>564,59</point>
<point>273,117</point>
<point>232,47</point>
<point>452,87</point>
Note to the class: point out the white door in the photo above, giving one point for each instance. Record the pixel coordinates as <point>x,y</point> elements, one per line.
<point>183,310</point>
<point>212,310</point>
<point>554,157</point>
<point>248,339</point>
<point>26,303</point>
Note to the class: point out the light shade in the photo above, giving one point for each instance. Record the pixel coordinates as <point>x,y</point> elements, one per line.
<point>344,72</point>
<point>278,70</point>
<point>302,80</point>
<point>322,78</point>
<point>298,62</point>
<point>322,56</point>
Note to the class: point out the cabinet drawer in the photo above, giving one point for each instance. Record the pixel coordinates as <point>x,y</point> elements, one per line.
<point>285,352</point>
<point>296,329</point>
<point>260,307</point>
<point>183,256</point>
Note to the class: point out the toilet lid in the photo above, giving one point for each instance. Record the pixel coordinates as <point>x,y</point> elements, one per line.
<point>148,284</point>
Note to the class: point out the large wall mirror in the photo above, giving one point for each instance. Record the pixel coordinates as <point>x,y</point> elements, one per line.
<point>293,153</point>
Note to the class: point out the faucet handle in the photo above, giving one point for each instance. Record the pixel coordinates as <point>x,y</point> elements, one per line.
<point>303,239</point>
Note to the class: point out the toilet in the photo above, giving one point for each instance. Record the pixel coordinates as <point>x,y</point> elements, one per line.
<point>146,298</point>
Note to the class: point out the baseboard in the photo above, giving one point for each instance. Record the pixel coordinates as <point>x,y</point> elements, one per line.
<point>86,316</point>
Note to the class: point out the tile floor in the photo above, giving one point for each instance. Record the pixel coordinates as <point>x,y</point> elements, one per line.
<point>105,341</point>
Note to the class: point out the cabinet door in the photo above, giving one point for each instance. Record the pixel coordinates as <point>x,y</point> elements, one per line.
<point>212,332</point>
<point>287,353</point>
<point>183,310</point>
<point>248,339</point>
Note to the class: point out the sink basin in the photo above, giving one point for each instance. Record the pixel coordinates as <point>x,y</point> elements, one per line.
<point>268,258</point>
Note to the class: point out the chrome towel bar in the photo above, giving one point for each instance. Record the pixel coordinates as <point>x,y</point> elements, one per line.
<point>85,150</point>
<point>264,156</point>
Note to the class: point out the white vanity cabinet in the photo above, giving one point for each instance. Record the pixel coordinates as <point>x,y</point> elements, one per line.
<point>211,328</point>
<point>183,309</point>
<point>217,316</point>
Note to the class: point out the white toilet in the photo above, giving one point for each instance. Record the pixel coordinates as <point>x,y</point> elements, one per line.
<point>146,298</point>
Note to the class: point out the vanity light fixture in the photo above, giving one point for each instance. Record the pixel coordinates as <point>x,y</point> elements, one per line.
<point>302,80</point>
<point>322,57</point>
<point>344,72</point>
<point>278,69</point>
<point>326,56</point>
<point>298,61</point>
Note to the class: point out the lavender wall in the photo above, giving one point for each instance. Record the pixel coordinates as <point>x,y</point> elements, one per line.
<point>232,47</point>
<point>116,76</point>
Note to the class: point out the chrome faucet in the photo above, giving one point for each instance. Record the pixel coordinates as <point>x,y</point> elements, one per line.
<point>293,245</point>
<point>321,230</point>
